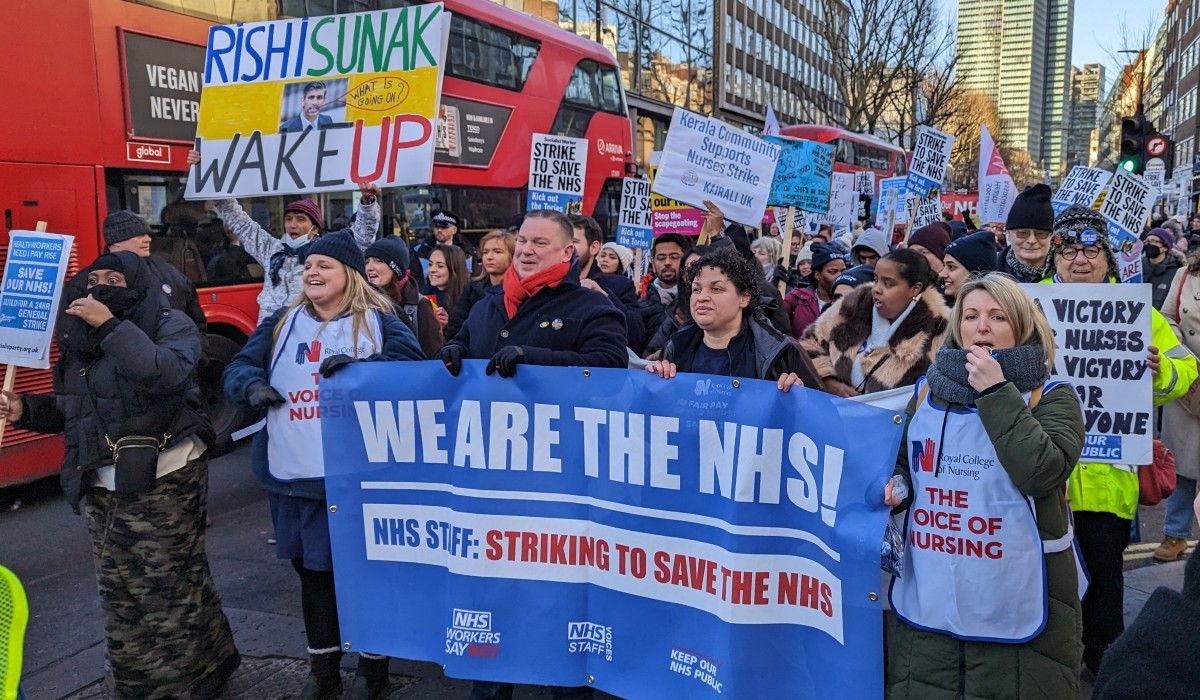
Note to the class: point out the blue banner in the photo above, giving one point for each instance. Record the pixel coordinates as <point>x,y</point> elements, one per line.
<point>693,537</point>
<point>803,174</point>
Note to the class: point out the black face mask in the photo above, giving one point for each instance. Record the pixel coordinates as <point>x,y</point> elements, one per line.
<point>1152,251</point>
<point>119,300</point>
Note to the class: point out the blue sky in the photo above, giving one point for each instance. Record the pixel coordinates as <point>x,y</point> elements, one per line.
<point>1097,26</point>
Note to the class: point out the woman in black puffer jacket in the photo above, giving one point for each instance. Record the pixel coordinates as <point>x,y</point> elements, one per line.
<point>126,370</point>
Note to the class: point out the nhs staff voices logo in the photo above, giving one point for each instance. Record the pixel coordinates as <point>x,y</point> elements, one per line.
<point>590,638</point>
<point>470,634</point>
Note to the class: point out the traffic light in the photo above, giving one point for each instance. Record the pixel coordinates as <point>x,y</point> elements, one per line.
<point>1134,131</point>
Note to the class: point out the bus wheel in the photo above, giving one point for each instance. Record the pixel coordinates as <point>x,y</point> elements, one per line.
<point>226,417</point>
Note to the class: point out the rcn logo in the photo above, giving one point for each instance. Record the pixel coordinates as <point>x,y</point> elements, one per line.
<point>922,455</point>
<point>472,620</point>
<point>587,631</point>
<point>308,353</point>
<point>702,387</point>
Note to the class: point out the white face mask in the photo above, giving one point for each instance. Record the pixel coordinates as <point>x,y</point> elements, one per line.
<point>295,243</point>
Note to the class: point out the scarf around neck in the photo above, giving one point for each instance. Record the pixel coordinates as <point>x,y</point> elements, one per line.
<point>517,290</point>
<point>280,257</point>
<point>881,333</point>
<point>947,377</point>
<point>1022,270</point>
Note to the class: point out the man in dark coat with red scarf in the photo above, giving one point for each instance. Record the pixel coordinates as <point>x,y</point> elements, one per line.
<point>543,317</point>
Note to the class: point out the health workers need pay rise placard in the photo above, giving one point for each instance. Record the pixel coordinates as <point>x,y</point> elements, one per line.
<point>317,104</point>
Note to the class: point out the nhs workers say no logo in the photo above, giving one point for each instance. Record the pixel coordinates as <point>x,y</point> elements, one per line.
<point>470,634</point>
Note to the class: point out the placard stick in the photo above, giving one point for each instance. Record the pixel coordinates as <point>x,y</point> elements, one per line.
<point>10,371</point>
<point>912,214</point>
<point>787,246</point>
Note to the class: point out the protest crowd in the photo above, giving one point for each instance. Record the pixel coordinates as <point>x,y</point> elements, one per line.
<point>955,319</point>
<point>845,315</point>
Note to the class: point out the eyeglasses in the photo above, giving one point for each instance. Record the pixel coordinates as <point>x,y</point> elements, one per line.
<point>1091,253</point>
<point>1022,234</point>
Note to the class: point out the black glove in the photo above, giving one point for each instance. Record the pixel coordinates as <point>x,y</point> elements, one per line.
<point>505,361</point>
<point>263,395</point>
<point>452,355</point>
<point>333,363</point>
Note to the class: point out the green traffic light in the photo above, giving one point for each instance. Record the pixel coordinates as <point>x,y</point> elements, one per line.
<point>1127,164</point>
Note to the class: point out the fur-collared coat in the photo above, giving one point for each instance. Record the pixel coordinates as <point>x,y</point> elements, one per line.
<point>833,341</point>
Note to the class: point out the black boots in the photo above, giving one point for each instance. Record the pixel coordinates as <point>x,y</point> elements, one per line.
<point>371,678</point>
<point>325,679</point>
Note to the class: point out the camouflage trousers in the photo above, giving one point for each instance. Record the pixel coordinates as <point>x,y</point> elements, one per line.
<point>163,624</point>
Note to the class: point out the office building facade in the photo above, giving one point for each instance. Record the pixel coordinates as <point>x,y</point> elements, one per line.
<point>1018,53</point>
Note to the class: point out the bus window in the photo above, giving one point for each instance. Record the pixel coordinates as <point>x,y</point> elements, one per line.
<point>480,208</point>
<point>487,54</point>
<point>592,88</point>
<point>611,96</point>
<point>608,207</point>
<point>845,150</point>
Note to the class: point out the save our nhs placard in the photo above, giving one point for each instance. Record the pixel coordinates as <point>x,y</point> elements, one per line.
<point>1102,333</point>
<point>707,159</point>
<point>557,170</point>
<point>692,537</point>
<point>319,103</point>
<point>30,295</point>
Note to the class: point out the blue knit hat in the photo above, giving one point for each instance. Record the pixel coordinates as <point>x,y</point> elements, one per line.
<point>341,246</point>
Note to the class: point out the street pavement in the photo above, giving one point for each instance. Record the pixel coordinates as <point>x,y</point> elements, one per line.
<point>48,548</point>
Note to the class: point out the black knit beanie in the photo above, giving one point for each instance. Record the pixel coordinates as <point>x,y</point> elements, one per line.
<point>342,247</point>
<point>976,252</point>
<point>392,251</point>
<point>122,225</point>
<point>1032,209</point>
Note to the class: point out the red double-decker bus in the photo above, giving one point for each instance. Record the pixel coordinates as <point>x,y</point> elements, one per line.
<point>105,112</point>
<point>854,152</point>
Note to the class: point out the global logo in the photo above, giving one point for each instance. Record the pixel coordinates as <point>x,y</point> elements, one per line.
<point>690,178</point>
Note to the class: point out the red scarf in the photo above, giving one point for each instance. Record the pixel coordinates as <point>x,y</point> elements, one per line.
<point>517,290</point>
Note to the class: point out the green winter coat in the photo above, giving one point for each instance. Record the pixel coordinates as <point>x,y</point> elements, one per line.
<point>1038,449</point>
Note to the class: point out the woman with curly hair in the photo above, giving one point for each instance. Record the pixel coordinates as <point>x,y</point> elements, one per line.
<point>727,334</point>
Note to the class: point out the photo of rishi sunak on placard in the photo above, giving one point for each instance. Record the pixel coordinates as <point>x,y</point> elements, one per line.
<point>313,104</point>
